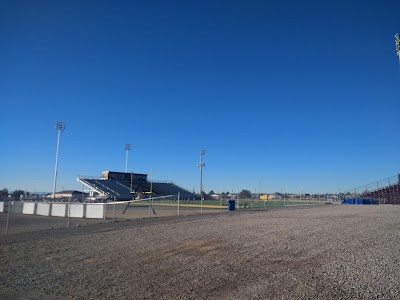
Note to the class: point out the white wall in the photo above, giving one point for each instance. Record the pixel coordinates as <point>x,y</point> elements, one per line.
<point>95,210</point>
<point>28,208</point>
<point>76,211</point>
<point>58,209</point>
<point>43,209</point>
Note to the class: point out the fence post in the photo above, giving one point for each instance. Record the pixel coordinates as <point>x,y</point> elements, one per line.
<point>150,207</point>
<point>179,196</point>
<point>113,210</point>
<point>8,215</point>
<point>398,194</point>
<point>69,212</point>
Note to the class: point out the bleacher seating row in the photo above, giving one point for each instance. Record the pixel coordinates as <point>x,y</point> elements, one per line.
<point>389,194</point>
<point>126,189</point>
<point>386,195</point>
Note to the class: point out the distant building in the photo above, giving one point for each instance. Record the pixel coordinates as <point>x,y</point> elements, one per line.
<point>69,194</point>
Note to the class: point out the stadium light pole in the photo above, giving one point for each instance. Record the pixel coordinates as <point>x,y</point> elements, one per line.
<point>127,149</point>
<point>201,165</point>
<point>397,39</point>
<point>60,126</point>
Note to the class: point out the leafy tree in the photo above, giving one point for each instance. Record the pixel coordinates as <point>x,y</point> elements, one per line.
<point>4,193</point>
<point>244,194</point>
<point>17,194</point>
<point>211,192</point>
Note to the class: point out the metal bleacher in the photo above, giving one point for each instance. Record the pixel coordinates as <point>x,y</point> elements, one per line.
<point>385,191</point>
<point>125,187</point>
<point>169,188</point>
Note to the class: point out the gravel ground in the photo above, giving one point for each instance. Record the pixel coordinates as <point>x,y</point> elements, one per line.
<point>19,223</point>
<point>323,252</point>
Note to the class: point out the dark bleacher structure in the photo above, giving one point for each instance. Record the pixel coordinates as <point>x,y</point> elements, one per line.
<point>387,194</point>
<point>128,186</point>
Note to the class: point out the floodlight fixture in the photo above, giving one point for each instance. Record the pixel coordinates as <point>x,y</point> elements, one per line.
<point>397,40</point>
<point>60,126</point>
<point>127,149</point>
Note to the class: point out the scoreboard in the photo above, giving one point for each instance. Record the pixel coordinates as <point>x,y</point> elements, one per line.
<point>109,175</point>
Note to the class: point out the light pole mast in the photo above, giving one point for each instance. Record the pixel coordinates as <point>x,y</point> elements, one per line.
<point>397,37</point>
<point>60,126</point>
<point>127,149</point>
<point>201,165</point>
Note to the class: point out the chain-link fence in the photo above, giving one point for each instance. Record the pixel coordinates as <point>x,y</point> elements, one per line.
<point>385,191</point>
<point>32,215</point>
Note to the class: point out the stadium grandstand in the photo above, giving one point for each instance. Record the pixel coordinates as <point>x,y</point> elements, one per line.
<point>128,186</point>
<point>386,191</point>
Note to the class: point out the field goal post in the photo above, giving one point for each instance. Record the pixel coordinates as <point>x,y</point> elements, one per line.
<point>150,200</point>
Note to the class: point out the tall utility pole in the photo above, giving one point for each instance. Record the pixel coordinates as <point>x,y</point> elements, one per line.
<point>201,165</point>
<point>127,149</point>
<point>60,126</point>
<point>397,39</point>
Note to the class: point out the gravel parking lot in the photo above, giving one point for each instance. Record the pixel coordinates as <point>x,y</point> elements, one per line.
<point>322,252</point>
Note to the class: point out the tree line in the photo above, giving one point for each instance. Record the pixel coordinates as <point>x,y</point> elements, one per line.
<point>243,194</point>
<point>15,195</point>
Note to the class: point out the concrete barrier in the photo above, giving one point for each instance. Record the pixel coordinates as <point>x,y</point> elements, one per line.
<point>43,209</point>
<point>76,211</point>
<point>28,208</point>
<point>95,211</point>
<point>16,207</point>
<point>58,209</point>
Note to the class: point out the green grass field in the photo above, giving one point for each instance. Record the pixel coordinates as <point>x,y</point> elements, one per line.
<point>240,204</point>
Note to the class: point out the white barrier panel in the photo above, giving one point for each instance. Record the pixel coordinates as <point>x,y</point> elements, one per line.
<point>75,211</point>
<point>28,208</point>
<point>95,211</point>
<point>1,206</point>
<point>43,209</point>
<point>58,209</point>
<point>16,207</point>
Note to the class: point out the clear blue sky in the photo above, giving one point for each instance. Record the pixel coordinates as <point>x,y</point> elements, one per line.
<point>281,94</point>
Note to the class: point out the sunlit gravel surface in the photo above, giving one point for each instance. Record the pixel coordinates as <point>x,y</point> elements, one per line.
<point>323,252</point>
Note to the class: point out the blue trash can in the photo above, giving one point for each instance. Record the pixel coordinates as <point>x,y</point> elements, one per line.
<point>231,205</point>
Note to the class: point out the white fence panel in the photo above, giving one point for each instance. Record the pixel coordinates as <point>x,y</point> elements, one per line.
<point>43,209</point>
<point>17,207</point>
<point>58,209</point>
<point>75,211</point>
<point>95,211</point>
<point>28,208</point>
<point>1,206</point>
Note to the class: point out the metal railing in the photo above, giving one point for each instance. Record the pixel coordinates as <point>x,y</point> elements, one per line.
<point>384,191</point>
